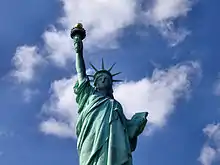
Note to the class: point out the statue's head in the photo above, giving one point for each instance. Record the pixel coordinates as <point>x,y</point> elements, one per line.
<point>103,79</point>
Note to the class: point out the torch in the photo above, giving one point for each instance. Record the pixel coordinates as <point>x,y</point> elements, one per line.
<point>78,31</point>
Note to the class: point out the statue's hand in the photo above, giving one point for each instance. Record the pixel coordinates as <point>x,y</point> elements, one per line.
<point>137,124</point>
<point>78,44</point>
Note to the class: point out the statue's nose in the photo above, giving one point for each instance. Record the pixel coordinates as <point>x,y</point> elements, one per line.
<point>103,80</point>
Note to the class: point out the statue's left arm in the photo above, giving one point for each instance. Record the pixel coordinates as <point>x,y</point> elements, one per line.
<point>137,124</point>
<point>134,126</point>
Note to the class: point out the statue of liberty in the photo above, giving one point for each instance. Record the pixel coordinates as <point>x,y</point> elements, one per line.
<point>104,135</point>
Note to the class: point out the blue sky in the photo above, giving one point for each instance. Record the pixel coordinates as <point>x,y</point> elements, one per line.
<point>167,51</point>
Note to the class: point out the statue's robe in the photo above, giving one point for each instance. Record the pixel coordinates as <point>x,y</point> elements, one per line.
<point>105,136</point>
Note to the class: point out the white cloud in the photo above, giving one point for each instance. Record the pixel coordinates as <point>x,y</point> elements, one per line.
<point>157,95</point>
<point>59,46</point>
<point>57,128</point>
<point>101,20</point>
<point>210,152</point>
<point>207,155</point>
<point>162,15</point>
<point>61,108</point>
<point>104,21</point>
<point>170,9</point>
<point>25,61</point>
<point>102,17</point>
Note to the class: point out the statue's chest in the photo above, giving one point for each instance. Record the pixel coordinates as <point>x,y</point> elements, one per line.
<point>98,97</point>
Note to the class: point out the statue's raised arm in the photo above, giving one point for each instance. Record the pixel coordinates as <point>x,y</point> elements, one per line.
<point>78,34</point>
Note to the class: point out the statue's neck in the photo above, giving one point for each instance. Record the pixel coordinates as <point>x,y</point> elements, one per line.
<point>105,92</point>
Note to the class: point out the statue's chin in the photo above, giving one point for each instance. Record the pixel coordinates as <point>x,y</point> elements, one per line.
<point>103,89</point>
<point>106,91</point>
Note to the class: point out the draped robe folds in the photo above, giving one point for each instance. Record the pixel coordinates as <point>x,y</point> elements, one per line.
<point>105,136</point>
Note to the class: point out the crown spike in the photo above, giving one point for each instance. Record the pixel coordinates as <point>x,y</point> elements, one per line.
<point>111,67</point>
<point>116,74</point>
<point>103,66</point>
<point>93,67</point>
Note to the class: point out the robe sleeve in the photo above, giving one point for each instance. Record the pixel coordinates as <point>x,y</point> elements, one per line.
<point>135,127</point>
<point>82,91</point>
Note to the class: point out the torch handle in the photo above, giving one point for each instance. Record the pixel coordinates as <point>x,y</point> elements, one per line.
<point>78,44</point>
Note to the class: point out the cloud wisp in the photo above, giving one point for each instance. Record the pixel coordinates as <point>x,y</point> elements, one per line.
<point>163,14</point>
<point>210,152</point>
<point>25,61</point>
<point>61,109</point>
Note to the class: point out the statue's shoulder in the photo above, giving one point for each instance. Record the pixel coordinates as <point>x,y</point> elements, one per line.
<point>84,87</point>
<point>118,104</point>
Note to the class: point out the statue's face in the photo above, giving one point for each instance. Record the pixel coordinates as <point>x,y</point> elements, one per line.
<point>104,81</point>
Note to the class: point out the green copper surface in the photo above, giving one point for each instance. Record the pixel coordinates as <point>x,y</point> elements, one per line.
<point>104,135</point>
